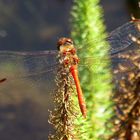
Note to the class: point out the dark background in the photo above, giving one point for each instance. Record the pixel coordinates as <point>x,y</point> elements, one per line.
<point>36,25</point>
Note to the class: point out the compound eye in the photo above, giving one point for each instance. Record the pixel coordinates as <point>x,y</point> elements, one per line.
<point>68,42</point>
<point>64,41</point>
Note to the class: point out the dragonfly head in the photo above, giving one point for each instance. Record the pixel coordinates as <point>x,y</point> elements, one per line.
<point>65,43</point>
<point>67,52</point>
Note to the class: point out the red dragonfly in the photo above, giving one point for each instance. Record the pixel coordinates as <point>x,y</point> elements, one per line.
<point>69,59</point>
<point>39,65</point>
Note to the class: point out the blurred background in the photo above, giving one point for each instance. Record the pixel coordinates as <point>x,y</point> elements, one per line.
<point>36,25</point>
<point>31,26</point>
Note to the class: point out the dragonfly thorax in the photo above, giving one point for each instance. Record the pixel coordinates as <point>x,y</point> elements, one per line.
<point>68,56</point>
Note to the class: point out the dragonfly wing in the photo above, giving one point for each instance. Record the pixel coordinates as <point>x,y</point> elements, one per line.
<point>30,81</point>
<point>18,66</point>
<point>120,42</point>
<point>26,93</point>
<point>120,39</point>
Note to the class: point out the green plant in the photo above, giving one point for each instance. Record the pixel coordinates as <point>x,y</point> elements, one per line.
<point>87,25</point>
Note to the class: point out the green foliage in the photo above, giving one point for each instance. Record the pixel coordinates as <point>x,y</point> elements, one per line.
<point>87,26</point>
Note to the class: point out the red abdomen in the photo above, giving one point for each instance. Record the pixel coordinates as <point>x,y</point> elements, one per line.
<point>82,104</point>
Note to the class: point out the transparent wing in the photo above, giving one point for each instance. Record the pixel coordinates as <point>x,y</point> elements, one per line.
<point>31,62</point>
<point>36,63</point>
<point>26,93</point>
<point>28,66</point>
<point>120,39</point>
<point>44,64</point>
<point>121,42</point>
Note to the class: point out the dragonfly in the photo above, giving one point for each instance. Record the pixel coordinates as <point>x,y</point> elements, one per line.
<point>42,63</point>
<point>70,60</point>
